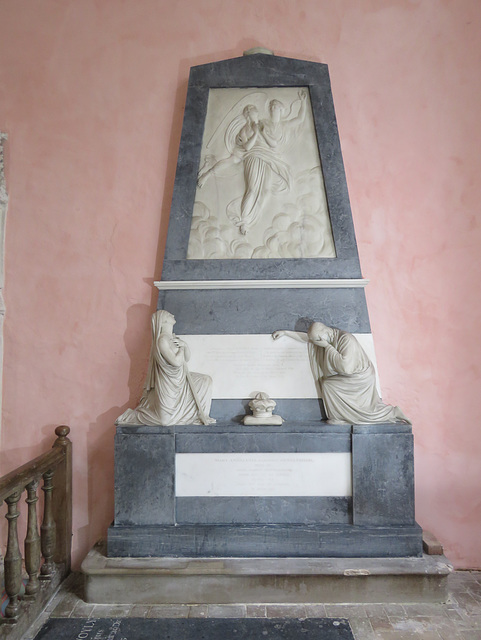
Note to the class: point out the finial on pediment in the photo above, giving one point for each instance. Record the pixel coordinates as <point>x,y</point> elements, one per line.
<point>254,50</point>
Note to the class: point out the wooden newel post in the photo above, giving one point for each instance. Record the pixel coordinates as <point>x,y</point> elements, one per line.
<point>13,558</point>
<point>48,528</point>
<point>62,505</point>
<point>32,540</point>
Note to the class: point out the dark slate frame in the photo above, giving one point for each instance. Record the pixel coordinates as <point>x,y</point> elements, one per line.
<point>260,70</point>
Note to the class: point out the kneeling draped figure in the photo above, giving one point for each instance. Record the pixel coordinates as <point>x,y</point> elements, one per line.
<point>346,376</point>
<point>172,394</point>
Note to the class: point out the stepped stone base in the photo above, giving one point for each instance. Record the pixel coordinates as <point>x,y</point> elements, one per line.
<point>274,541</point>
<point>110,580</point>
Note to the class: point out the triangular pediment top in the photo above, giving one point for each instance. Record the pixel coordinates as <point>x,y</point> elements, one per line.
<point>263,68</point>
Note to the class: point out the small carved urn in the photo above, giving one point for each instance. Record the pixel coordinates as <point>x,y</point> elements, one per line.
<point>262,407</point>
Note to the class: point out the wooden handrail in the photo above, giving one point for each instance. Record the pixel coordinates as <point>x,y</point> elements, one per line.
<point>31,471</point>
<point>54,468</point>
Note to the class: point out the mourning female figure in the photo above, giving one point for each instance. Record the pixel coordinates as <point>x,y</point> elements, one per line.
<point>346,377</point>
<point>172,395</point>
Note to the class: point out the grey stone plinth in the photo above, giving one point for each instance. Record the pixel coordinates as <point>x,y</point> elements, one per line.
<point>277,540</point>
<point>383,477</point>
<point>378,520</point>
<point>143,495</point>
<point>263,580</point>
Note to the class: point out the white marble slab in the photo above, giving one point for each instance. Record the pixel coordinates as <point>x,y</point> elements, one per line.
<point>334,283</point>
<point>262,474</point>
<point>243,365</point>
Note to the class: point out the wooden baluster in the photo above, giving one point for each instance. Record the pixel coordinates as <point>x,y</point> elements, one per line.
<point>13,559</point>
<point>62,504</point>
<point>47,529</point>
<point>32,541</point>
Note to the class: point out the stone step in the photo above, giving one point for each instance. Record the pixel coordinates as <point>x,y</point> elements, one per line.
<point>263,580</point>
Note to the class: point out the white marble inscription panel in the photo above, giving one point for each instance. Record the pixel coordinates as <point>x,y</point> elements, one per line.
<point>260,188</point>
<point>243,365</point>
<point>262,474</point>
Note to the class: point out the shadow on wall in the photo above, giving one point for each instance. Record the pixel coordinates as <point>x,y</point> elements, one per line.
<point>100,438</point>
<point>100,478</point>
<point>137,340</point>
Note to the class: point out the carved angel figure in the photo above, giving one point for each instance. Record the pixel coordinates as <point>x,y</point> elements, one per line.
<point>258,144</point>
<point>172,394</point>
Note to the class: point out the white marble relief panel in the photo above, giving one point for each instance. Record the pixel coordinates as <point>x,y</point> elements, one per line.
<point>260,189</point>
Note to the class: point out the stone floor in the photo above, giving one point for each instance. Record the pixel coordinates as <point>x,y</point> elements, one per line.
<point>458,619</point>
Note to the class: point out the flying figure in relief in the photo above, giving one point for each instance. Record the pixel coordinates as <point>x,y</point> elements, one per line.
<point>258,145</point>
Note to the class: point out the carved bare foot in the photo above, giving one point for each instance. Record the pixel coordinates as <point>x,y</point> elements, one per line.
<point>202,179</point>
<point>205,170</point>
<point>243,229</point>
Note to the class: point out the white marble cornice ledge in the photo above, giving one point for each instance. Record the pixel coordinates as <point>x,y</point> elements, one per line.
<point>339,283</point>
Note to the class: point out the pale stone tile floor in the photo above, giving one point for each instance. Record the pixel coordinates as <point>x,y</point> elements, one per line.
<point>458,619</point>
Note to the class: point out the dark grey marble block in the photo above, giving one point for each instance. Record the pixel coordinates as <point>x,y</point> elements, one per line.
<point>250,541</point>
<point>144,479</point>
<point>246,311</point>
<point>264,510</point>
<point>224,427</point>
<point>383,479</point>
<point>260,442</point>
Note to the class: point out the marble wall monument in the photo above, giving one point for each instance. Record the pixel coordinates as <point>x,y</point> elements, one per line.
<point>261,248</point>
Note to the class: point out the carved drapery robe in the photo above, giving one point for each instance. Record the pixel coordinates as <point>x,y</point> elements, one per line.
<point>168,398</point>
<point>348,383</point>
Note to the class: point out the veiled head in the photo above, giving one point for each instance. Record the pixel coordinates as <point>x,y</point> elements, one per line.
<point>162,318</point>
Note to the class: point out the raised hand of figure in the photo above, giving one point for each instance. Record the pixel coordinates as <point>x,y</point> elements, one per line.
<point>180,344</point>
<point>302,94</point>
<point>278,334</point>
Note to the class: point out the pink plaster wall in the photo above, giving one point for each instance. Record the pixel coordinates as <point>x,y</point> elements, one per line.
<point>91,95</point>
